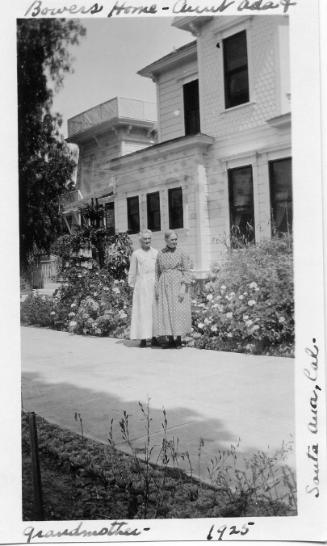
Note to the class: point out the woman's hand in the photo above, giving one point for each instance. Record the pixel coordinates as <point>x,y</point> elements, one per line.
<point>156,292</point>
<point>181,294</point>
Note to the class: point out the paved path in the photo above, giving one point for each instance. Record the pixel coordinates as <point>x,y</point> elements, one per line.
<point>217,396</point>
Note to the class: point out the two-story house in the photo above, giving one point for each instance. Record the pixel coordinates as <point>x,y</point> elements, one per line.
<point>222,161</point>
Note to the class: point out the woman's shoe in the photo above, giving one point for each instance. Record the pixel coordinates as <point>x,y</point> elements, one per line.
<point>154,342</point>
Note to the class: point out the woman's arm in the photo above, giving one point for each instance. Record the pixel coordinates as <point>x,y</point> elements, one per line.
<point>132,271</point>
<point>186,271</point>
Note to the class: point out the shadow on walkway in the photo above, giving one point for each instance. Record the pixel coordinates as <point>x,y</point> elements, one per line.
<point>58,402</point>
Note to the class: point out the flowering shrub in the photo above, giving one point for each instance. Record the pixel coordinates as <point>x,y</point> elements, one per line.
<point>249,305</point>
<point>92,302</point>
<point>36,310</point>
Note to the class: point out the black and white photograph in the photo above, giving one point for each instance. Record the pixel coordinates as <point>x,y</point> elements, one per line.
<point>169,274</point>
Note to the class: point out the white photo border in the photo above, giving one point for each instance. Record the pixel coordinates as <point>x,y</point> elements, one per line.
<point>307,19</point>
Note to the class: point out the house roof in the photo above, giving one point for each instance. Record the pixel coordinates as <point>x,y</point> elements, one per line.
<point>186,52</point>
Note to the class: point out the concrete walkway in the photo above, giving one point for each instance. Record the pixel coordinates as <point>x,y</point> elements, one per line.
<point>219,397</point>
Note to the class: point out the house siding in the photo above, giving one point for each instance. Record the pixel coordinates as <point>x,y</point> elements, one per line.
<point>243,135</point>
<point>170,97</point>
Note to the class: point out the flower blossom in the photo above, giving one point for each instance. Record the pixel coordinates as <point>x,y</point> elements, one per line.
<point>249,323</point>
<point>209,297</point>
<point>200,325</point>
<point>116,290</point>
<point>214,328</point>
<point>207,321</point>
<point>281,319</point>
<point>229,315</point>
<point>253,285</point>
<point>251,303</point>
<point>52,313</point>
<point>241,297</point>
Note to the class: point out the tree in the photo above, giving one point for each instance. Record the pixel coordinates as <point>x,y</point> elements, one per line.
<point>45,160</point>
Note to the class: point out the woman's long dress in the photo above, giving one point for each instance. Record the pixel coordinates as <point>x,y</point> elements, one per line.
<point>171,316</point>
<point>141,277</point>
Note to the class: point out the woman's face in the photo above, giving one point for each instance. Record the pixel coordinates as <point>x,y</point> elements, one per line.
<point>172,241</point>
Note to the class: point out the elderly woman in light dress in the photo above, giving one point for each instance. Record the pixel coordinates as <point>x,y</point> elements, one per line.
<point>161,297</point>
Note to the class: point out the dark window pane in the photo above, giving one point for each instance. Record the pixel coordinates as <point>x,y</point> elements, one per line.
<point>241,204</point>
<point>280,172</point>
<point>153,206</point>
<point>236,70</point>
<point>191,107</point>
<point>175,203</point>
<point>133,214</point>
<point>109,213</point>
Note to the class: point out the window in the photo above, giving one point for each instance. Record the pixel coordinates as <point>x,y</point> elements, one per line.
<point>175,204</point>
<point>280,176</point>
<point>236,70</point>
<point>191,107</point>
<point>241,205</point>
<point>109,214</point>
<point>153,206</point>
<point>133,214</point>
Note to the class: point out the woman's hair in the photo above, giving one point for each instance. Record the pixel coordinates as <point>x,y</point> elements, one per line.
<point>169,233</point>
<point>145,232</point>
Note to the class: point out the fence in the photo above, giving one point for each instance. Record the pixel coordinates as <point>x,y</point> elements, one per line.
<point>43,271</point>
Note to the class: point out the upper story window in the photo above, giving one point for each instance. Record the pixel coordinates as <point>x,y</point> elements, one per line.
<point>175,205</point>
<point>191,107</point>
<point>133,214</point>
<point>153,209</point>
<point>236,74</point>
<point>280,178</point>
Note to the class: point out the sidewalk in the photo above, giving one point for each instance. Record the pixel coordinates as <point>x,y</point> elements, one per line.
<point>212,395</point>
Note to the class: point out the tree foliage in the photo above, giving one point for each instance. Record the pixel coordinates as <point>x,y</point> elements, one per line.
<point>46,163</point>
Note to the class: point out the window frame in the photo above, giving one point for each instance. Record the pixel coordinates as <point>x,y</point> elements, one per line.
<point>128,201</point>
<point>106,207</point>
<point>224,63</point>
<point>149,225</point>
<point>272,200</point>
<point>184,84</point>
<point>231,196</point>
<point>170,193</point>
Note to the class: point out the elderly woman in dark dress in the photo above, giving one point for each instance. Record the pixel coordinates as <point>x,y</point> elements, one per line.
<point>172,314</point>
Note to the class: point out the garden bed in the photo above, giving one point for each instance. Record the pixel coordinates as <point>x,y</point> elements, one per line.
<point>84,479</point>
<point>246,306</point>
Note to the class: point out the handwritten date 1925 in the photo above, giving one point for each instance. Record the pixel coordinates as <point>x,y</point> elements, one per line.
<point>218,533</point>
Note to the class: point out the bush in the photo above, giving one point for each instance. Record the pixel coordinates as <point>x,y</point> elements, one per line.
<point>36,310</point>
<point>92,302</point>
<point>110,251</point>
<point>249,305</point>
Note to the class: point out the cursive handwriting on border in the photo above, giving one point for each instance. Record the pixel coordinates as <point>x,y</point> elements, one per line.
<point>116,528</point>
<point>218,533</point>
<point>311,373</point>
<point>38,8</point>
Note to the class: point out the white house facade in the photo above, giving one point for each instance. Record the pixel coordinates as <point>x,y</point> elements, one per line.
<point>218,158</point>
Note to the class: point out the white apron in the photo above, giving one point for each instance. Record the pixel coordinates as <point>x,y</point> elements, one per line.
<point>141,277</point>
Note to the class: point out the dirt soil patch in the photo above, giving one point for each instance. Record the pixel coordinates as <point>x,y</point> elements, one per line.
<point>84,479</point>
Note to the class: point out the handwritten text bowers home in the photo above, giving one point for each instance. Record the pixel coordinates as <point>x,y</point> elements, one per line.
<point>38,9</point>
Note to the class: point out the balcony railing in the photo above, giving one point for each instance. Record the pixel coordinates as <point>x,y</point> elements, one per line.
<point>115,108</point>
